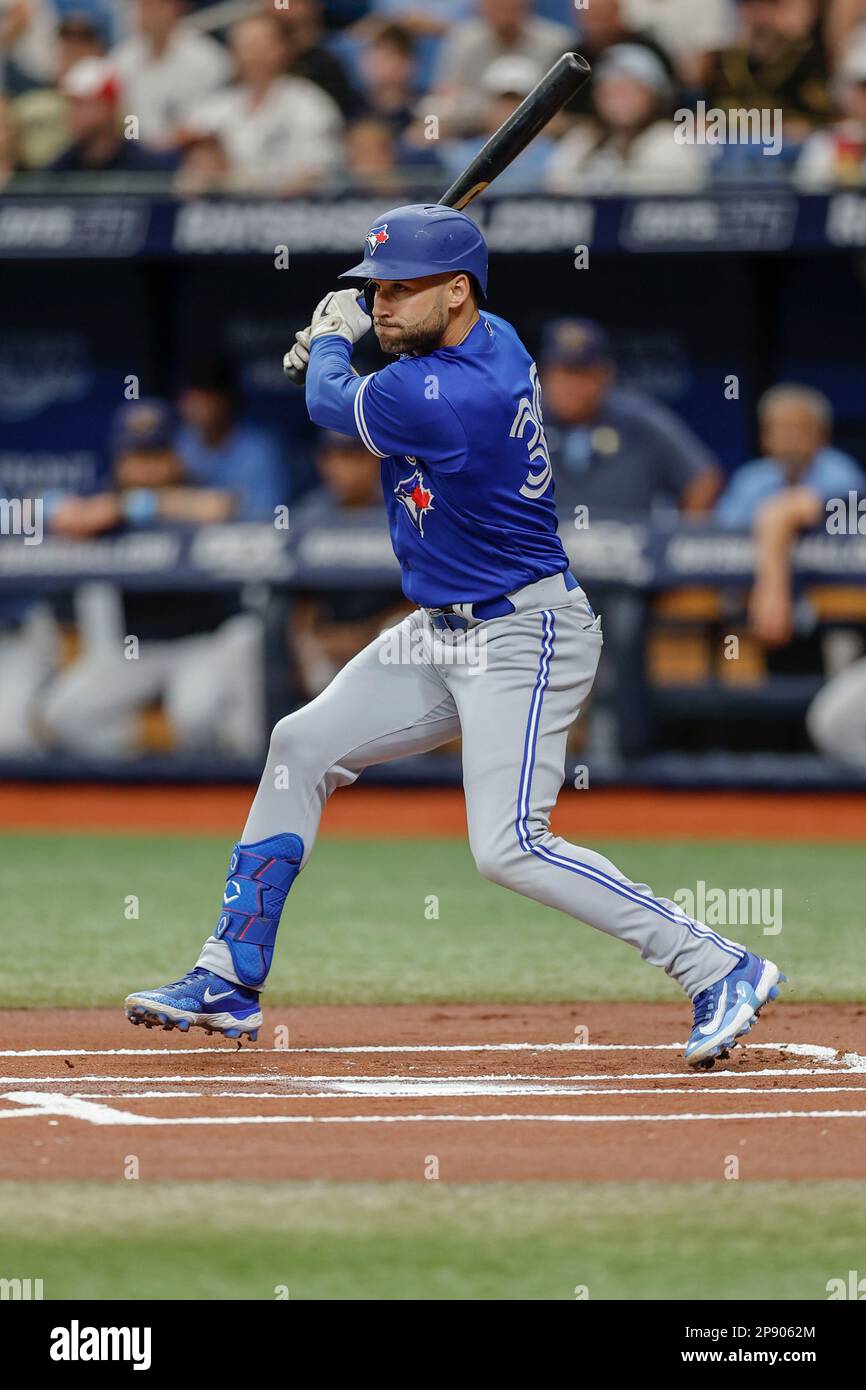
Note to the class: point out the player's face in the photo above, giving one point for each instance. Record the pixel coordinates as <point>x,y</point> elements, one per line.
<point>412,315</point>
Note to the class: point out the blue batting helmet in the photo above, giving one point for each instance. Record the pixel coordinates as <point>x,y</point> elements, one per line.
<point>422,239</point>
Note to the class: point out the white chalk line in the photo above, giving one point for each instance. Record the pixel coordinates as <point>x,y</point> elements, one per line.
<point>798,1049</point>
<point>268,1078</point>
<point>92,1107</point>
<point>103,1115</point>
<point>455,1089</point>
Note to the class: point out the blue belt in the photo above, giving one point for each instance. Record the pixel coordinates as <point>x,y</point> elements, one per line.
<point>447,619</point>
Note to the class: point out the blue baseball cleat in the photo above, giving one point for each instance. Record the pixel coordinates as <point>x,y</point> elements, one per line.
<point>199,1000</point>
<point>730,1008</point>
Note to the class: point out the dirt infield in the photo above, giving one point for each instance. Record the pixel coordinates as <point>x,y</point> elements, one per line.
<point>481,1091</point>
<point>421,813</point>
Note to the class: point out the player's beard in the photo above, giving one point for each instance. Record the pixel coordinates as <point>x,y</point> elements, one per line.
<point>418,339</point>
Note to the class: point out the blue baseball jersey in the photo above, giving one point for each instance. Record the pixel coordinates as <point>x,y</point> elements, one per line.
<point>466,473</point>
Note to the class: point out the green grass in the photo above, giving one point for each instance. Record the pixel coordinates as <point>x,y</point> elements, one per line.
<point>357,928</point>
<point>431,1241</point>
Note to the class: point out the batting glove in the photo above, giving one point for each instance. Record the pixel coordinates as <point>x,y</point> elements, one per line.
<point>298,355</point>
<point>340,313</point>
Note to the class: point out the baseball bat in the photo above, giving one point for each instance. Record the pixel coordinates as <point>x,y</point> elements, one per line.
<point>548,96</point>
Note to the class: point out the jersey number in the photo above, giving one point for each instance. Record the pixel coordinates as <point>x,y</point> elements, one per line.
<point>528,418</point>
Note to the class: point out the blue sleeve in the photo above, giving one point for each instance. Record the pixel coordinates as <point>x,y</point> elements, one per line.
<point>835,477</point>
<point>736,506</point>
<point>398,410</point>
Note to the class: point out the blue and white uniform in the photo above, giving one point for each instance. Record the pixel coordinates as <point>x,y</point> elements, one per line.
<point>469,495</point>
<point>502,650</point>
<point>465,470</point>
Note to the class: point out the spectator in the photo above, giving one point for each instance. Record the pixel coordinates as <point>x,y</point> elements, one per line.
<point>777,61</point>
<point>629,144</point>
<point>504,28</point>
<point>27,49</point>
<point>29,649</point>
<point>204,165</point>
<point>308,57</point>
<point>427,23</point>
<point>371,159</point>
<point>329,629</point>
<point>689,33</point>
<point>836,718</point>
<point>603,25</point>
<point>611,449</point>
<point>198,653</point>
<point>842,19</point>
<point>92,91</point>
<point>167,67</point>
<point>388,70</point>
<point>40,112</point>
<point>837,155</point>
<point>149,483</point>
<point>505,83</point>
<point>11,161</point>
<point>218,450</point>
<point>280,133</point>
<point>795,427</point>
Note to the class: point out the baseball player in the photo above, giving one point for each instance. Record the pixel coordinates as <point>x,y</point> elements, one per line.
<point>502,647</point>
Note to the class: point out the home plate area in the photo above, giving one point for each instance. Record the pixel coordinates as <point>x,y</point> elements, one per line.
<point>464,1092</point>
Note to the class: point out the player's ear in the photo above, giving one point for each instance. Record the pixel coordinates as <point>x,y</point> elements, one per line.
<point>460,290</point>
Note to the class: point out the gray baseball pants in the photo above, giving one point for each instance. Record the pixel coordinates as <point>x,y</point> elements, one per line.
<point>512,686</point>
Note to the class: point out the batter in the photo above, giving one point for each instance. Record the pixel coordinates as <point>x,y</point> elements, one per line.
<point>502,648</point>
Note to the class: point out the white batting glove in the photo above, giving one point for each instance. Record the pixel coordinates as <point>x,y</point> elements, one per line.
<point>298,355</point>
<point>340,312</point>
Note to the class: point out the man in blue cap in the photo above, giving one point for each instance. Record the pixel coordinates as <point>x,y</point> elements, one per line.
<point>615,450</point>
<point>199,654</point>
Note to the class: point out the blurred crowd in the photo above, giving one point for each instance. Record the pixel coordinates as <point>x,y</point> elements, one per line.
<point>290,96</point>
<point>194,677</point>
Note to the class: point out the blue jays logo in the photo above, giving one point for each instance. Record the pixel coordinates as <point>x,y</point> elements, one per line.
<point>416,497</point>
<point>376,236</point>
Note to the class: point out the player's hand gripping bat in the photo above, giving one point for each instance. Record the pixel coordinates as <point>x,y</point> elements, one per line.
<point>548,96</point>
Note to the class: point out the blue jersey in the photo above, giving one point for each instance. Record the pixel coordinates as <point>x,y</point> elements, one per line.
<point>465,468</point>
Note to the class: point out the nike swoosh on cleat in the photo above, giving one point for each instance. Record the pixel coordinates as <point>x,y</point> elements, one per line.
<point>716,1019</point>
<point>212,998</point>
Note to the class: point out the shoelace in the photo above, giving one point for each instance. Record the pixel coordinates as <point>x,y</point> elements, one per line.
<point>185,980</point>
<point>706,1002</point>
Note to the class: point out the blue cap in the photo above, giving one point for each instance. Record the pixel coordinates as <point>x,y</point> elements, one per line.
<point>91,12</point>
<point>146,424</point>
<point>422,239</point>
<point>575,343</point>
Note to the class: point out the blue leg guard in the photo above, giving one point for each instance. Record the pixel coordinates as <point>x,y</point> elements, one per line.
<point>259,877</point>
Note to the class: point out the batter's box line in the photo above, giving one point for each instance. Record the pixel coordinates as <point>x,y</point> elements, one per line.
<point>852,1061</point>
<point>34,1103</point>
<point>463,1086</point>
<point>268,1078</point>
